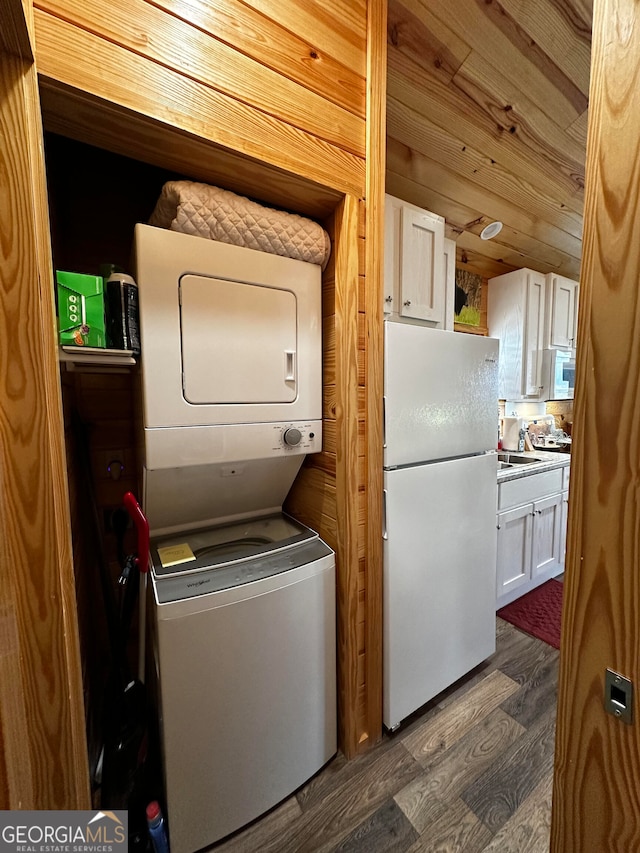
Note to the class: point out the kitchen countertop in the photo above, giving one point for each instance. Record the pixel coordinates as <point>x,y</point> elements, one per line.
<point>548,461</point>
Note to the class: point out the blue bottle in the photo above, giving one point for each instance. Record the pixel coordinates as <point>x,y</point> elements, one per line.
<point>157,830</point>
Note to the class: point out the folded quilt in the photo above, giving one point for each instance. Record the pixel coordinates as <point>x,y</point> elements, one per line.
<point>218,214</point>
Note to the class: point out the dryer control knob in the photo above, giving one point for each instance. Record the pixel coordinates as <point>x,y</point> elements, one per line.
<point>292,436</point>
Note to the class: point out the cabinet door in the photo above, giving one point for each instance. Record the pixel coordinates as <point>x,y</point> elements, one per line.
<point>422,266</point>
<point>392,237</point>
<point>533,338</point>
<point>564,512</point>
<point>546,534</point>
<point>449,282</point>
<point>563,295</point>
<point>513,568</point>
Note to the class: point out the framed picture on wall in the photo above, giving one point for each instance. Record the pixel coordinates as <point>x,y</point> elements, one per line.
<point>468,298</point>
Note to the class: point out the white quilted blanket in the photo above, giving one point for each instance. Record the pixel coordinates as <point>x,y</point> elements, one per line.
<point>218,214</point>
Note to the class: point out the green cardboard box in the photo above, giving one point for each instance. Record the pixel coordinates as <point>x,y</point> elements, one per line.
<point>80,309</point>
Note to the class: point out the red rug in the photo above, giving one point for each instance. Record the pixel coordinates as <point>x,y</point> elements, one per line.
<point>538,613</point>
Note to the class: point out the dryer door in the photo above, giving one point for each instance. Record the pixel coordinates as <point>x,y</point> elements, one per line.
<point>230,336</point>
<point>238,341</point>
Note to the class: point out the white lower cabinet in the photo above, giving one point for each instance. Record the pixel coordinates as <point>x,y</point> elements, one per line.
<point>546,535</point>
<point>514,549</point>
<point>563,525</point>
<point>531,526</point>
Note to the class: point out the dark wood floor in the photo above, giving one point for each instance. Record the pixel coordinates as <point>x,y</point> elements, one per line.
<point>471,773</point>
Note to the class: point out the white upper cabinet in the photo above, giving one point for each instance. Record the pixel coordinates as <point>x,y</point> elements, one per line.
<point>422,266</point>
<point>562,312</point>
<point>516,316</point>
<point>392,228</point>
<point>414,266</point>
<point>449,282</point>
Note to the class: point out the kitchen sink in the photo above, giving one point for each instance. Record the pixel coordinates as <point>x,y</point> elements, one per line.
<point>515,459</point>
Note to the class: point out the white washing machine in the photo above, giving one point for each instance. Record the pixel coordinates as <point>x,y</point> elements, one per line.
<point>242,597</point>
<point>244,653</point>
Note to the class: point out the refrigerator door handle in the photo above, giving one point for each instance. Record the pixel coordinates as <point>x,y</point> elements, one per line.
<point>384,514</point>
<point>384,422</point>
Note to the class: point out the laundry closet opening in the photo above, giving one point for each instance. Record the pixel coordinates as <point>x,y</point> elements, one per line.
<point>96,197</point>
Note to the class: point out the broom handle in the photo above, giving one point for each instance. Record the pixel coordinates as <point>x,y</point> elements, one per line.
<point>142,561</point>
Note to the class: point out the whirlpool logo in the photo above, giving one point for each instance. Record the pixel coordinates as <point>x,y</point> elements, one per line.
<point>63,831</point>
<point>199,583</point>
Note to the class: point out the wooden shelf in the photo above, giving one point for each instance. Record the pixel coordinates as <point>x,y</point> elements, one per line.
<point>93,359</point>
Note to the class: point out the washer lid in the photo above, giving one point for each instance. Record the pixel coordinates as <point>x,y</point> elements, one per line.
<point>312,556</point>
<point>200,550</point>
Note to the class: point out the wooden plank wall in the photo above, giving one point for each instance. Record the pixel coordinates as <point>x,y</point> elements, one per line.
<point>269,99</point>
<point>201,68</point>
<point>42,746</point>
<point>326,493</point>
<point>596,798</point>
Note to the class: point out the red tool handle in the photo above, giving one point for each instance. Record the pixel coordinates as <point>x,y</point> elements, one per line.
<point>142,526</point>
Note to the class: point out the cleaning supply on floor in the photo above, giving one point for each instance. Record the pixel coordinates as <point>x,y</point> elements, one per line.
<point>157,831</point>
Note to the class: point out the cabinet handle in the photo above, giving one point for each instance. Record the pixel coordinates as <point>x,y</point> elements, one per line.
<point>388,299</point>
<point>532,514</point>
<point>407,303</point>
<point>497,527</point>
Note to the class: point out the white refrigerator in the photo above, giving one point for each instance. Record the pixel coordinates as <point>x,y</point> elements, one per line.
<point>440,495</point>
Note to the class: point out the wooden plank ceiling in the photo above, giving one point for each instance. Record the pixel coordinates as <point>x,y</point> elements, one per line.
<point>487,120</point>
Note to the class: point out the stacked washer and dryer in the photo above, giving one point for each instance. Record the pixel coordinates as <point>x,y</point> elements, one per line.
<point>242,597</point>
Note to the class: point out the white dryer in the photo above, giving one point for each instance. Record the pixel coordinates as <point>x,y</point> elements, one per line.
<point>242,598</point>
<point>231,376</point>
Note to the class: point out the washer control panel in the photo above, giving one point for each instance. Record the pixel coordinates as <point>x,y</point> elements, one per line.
<point>299,437</point>
<point>230,444</point>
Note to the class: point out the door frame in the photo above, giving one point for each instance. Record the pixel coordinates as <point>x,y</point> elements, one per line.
<point>43,754</point>
<point>596,800</point>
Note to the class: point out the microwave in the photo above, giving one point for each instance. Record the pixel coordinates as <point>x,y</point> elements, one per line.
<point>558,374</point>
